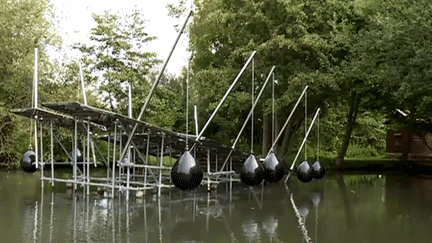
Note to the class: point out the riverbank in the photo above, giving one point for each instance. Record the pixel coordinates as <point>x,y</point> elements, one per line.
<point>363,164</point>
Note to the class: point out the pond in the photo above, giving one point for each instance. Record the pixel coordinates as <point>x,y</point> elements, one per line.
<point>339,208</point>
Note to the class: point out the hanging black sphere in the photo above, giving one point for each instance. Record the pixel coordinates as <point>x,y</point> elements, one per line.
<point>186,174</point>
<point>252,172</point>
<point>78,154</point>
<point>274,170</point>
<point>28,161</point>
<point>318,170</point>
<point>304,172</point>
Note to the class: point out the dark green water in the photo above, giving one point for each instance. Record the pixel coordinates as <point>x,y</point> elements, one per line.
<point>341,208</point>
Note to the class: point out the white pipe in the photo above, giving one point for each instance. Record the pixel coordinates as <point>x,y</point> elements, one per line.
<point>248,117</point>
<point>36,143</point>
<point>253,107</point>
<point>82,83</point>
<point>225,96</point>
<point>114,159</point>
<point>35,82</point>
<point>41,151</point>
<point>123,153</point>
<point>196,120</point>
<point>52,153</point>
<point>88,157</point>
<point>286,122</point>
<point>35,88</point>
<point>304,140</point>
<point>130,100</point>
<point>76,153</point>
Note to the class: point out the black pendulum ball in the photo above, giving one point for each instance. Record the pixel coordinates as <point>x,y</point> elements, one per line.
<point>28,161</point>
<point>186,174</point>
<point>318,170</point>
<point>304,172</point>
<point>274,170</point>
<point>252,172</point>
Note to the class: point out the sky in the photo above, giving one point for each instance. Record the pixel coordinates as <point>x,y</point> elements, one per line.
<point>75,22</point>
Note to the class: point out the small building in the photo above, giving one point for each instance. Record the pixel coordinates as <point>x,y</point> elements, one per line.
<point>417,148</point>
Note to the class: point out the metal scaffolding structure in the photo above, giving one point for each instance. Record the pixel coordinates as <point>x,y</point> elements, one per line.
<point>93,128</point>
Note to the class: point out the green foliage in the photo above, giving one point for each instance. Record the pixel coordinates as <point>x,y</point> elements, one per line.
<point>167,107</point>
<point>408,46</point>
<point>23,27</point>
<point>361,59</point>
<point>306,40</point>
<point>116,58</point>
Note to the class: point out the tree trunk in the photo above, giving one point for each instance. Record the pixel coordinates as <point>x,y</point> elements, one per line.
<point>351,118</point>
<point>285,139</point>
<point>290,133</point>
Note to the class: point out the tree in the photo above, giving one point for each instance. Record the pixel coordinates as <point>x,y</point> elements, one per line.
<point>296,36</point>
<point>23,27</point>
<point>389,64</point>
<point>116,57</point>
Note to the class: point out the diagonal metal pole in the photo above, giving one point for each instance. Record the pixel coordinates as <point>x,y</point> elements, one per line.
<point>253,107</point>
<point>304,140</point>
<point>223,98</point>
<point>125,149</point>
<point>301,146</point>
<point>247,118</point>
<point>287,120</point>
<point>82,83</point>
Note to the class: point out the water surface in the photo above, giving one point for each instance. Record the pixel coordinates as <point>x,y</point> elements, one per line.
<point>340,208</point>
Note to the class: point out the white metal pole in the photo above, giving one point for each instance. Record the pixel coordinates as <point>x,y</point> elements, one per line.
<point>286,122</point>
<point>52,155</point>
<point>304,140</point>
<point>88,157</point>
<point>253,107</point>
<point>161,164</point>
<point>147,157</point>
<point>208,169</point>
<point>247,118</point>
<point>108,159</point>
<point>35,88</point>
<point>41,152</point>
<point>130,100</point>
<point>196,120</point>
<point>225,96</point>
<point>35,80</point>
<point>76,154</point>
<point>36,142</point>
<point>82,83</point>
<point>123,152</point>
<point>114,159</point>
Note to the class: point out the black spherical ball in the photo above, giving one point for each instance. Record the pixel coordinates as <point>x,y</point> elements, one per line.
<point>28,161</point>
<point>252,172</point>
<point>274,170</point>
<point>186,174</point>
<point>318,170</point>
<point>304,172</point>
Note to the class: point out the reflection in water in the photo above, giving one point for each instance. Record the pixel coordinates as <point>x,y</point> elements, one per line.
<point>301,213</point>
<point>250,229</point>
<point>270,225</point>
<point>387,208</point>
<point>347,202</point>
